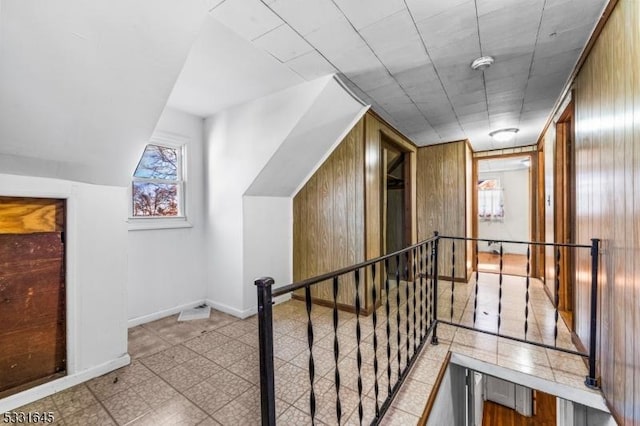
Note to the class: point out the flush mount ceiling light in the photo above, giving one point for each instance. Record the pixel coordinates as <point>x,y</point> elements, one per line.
<point>504,135</point>
<point>482,63</point>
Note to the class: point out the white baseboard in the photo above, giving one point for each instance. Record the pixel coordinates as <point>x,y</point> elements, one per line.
<point>164,313</point>
<point>227,309</point>
<point>30,395</point>
<point>242,314</point>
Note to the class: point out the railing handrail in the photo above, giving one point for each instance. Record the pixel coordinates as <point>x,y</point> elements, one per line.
<point>427,279</point>
<point>329,275</point>
<point>534,243</point>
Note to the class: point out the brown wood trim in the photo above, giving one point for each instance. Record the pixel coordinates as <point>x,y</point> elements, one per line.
<point>616,416</point>
<point>548,292</point>
<point>390,126</point>
<point>456,279</point>
<point>434,391</point>
<point>575,339</point>
<point>466,141</point>
<point>329,304</point>
<point>511,154</point>
<point>481,154</point>
<point>606,13</point>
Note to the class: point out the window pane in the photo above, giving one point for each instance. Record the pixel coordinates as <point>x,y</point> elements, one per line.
<point>158,162</point>
<point>155,199</point>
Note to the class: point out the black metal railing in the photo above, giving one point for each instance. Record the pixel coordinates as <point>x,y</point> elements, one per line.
<point>549,340</point>
<point>396,306</point>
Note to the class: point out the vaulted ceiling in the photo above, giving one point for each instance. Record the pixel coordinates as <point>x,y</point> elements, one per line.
<point>82,84</point>
<point>411,59</point>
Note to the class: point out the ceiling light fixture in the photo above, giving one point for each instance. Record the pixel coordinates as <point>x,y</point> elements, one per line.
<point>504,135</point>
<point>482,63</point>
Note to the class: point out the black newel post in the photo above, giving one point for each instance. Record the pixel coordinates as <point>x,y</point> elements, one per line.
<point>434,336</point>
<point>265,338</point>
<point>591,381</point>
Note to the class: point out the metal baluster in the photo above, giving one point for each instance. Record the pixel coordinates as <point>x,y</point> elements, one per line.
<point>453,274</point>
<point>406,301</point>
<point>312,370</point>
<point>265,339</point>
<point>375,337</point>
<point>336,348</point>
<point>475,299</point>
<point>358,352</point>
<point>398,313</point>
<point>388,312</point>
<point>591,381</point>
<point>421,256</point>
<point>526,304</point>
<point>500,291</point>
<point>430,283</point>
<point>557,297</point>
<point>434,251</point>
<point>415,271</point>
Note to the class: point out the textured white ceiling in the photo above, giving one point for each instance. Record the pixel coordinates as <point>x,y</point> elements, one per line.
<point>223,70</point>
<point>410,58</point>
<point>83,83</point>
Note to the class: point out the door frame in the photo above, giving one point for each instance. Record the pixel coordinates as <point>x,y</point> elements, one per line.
<point>564,208</point>
<point>386,143</point>
<point>534,234</point>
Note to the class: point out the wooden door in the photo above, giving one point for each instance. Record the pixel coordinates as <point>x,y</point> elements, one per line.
<point>32,292</point>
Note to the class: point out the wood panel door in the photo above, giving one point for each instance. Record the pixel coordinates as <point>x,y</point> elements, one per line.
<point>32,293</point>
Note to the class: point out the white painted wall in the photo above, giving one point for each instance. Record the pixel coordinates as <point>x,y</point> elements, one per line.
<point>167,267</point>
<point>238,144</point>
<point>517,211</point>
<point>449,406</point>
<point>574,414</point>
<point>257,156</point>
<point>96,279</point>
<point>268,241</point>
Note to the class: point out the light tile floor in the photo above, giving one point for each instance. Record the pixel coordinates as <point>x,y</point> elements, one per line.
<point>206,371</point>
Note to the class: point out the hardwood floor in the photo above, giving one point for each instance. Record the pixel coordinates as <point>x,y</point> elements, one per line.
<point>512,264</point>
<point>498,415</point>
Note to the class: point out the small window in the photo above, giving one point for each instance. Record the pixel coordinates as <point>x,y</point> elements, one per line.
<point>158,185</point>
<point>490,201</point>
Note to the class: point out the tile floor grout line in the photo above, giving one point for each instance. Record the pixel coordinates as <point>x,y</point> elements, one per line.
<point>100,402</point>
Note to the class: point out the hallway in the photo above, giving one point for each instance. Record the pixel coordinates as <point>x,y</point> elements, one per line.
<point>206,371</point>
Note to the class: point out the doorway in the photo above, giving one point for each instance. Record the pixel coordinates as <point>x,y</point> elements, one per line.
<point>395,208</point>
<point>564,214</point>
<point>504,206</point>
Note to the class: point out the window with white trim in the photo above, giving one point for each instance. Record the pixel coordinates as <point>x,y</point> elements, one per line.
<point>157,188</point>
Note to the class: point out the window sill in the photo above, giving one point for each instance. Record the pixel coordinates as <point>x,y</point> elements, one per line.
<point>148,223</point>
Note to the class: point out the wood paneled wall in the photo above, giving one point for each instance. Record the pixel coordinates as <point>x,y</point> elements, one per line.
<point>337,215</point>
<point>329,218</point>
<point>607,150</point>
<point>442,201</point>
